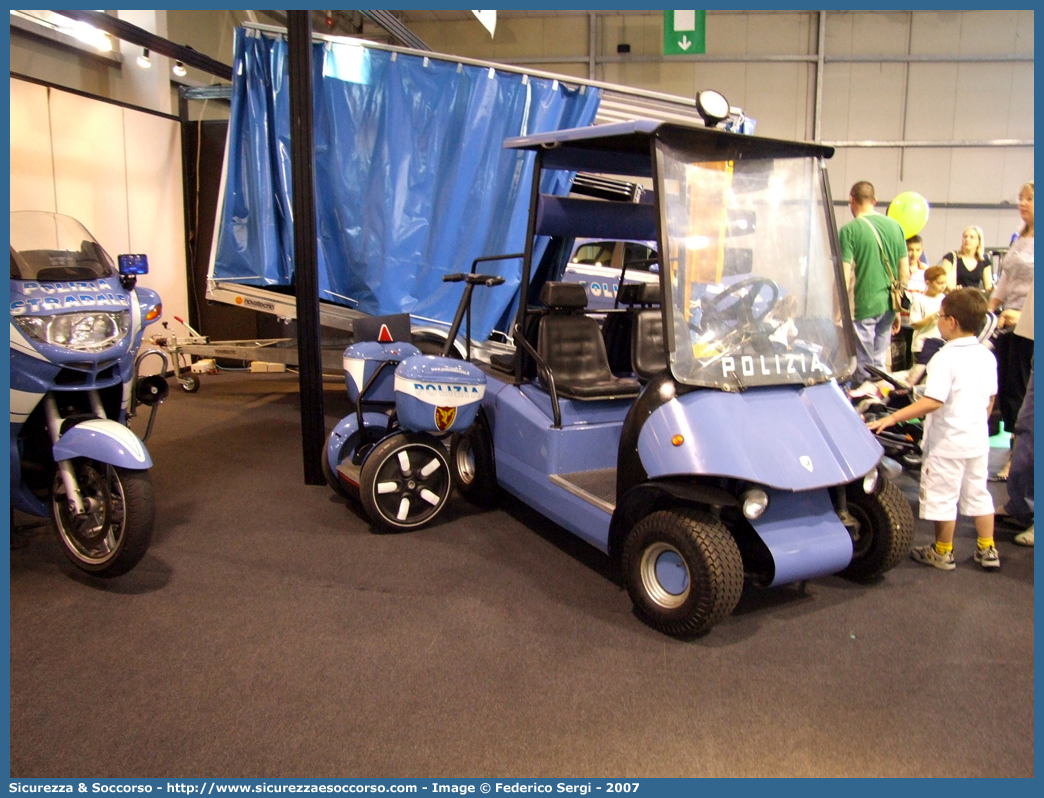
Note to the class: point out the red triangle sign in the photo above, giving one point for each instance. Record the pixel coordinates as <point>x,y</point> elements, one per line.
<point>384,336</point>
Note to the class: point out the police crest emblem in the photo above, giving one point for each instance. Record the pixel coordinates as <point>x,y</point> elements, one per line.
<point>444,418</point>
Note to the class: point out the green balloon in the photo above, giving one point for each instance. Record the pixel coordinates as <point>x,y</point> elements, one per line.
<point>910,209</point>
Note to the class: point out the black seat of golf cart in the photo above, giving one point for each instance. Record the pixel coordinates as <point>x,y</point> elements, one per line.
<point>648,355</point>
<point>571,345</point>
<point>618,327</point>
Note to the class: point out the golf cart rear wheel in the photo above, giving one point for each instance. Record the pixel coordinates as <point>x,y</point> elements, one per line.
<point>474,469</point>
<point>405,481</point>
<point>683,571</point>
<point>885,532</point>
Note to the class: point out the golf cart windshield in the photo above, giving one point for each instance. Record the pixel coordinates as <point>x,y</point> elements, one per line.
<point>753,290</point>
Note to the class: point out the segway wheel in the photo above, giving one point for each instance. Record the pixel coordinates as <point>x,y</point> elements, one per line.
<point>405,481</point>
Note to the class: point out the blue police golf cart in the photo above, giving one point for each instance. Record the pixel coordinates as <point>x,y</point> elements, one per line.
<point>718,447</point>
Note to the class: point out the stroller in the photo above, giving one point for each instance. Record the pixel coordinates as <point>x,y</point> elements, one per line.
<point>891,392</point>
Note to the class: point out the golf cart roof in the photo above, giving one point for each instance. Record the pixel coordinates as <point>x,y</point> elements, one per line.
<point>625,147</point>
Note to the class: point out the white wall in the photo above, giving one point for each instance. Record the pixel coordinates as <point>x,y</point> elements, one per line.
<point>934,101</point>
<point>941,101</point>
<point>115,169</point>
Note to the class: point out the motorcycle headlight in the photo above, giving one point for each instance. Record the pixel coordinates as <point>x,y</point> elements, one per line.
<point>81,332</point>
<point>755,502</point>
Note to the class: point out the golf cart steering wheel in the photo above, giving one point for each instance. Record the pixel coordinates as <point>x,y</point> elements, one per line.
<point>744,293</point>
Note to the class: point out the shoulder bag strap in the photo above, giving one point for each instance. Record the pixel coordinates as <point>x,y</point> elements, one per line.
<point>884,255</point>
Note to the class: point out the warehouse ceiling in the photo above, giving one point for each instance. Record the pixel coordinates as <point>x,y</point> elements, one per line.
<point>392,27</point>
<point>449,16</point>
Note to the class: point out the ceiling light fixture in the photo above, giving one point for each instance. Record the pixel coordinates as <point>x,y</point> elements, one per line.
<point>143,60</point>
<point>179,69</point>
<point>88,34</point>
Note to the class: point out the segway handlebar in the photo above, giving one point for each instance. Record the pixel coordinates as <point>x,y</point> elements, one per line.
<point>473,279</point>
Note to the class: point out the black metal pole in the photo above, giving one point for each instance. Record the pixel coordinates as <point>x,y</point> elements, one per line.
<point>306,255</point>
<point>189,196</point>
<point>527,259</point>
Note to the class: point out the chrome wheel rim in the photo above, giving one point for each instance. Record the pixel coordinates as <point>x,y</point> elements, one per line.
<point>95,536</point>
<point>665,575</point>
<point>465,461</point>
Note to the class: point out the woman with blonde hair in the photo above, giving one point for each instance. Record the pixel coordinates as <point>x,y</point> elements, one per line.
<point>1014,352</point>
<point>968,267</point>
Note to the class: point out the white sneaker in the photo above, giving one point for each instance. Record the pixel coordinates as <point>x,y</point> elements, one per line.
<point>929,556</point>
<point>987,558</point>
<point>1025,538</point>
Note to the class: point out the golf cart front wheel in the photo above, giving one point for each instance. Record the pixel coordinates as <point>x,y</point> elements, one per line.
<point>405,481</point>
<point>884,532</point>
<point>190,383</point>
<point>683,571</point>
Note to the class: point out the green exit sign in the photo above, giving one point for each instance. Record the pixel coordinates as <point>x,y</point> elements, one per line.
<point>684,32</point>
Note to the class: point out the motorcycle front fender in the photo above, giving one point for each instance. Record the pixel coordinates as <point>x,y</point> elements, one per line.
<point>106,441</point>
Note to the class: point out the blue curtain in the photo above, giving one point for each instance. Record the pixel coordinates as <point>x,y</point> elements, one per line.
<point>412,181</point>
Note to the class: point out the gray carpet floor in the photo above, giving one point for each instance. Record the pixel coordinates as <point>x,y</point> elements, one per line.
<point>269,632</point>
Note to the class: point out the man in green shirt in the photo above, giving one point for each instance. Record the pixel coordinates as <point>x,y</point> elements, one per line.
<point>873,247</point>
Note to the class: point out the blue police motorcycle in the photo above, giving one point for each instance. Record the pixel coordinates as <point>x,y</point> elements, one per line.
<point>77,320</point>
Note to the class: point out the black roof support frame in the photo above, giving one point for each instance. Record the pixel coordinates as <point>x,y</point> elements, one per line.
<point>132,33</point>
<point>306,250</point>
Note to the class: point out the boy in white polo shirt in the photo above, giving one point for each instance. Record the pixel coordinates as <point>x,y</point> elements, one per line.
<point>959,392</point>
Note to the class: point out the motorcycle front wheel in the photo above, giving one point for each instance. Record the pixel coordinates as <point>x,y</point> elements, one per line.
<point>115,529</point>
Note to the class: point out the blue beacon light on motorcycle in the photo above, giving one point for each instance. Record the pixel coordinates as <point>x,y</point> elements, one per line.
<point>133,264</point>
<point>130,267</point>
